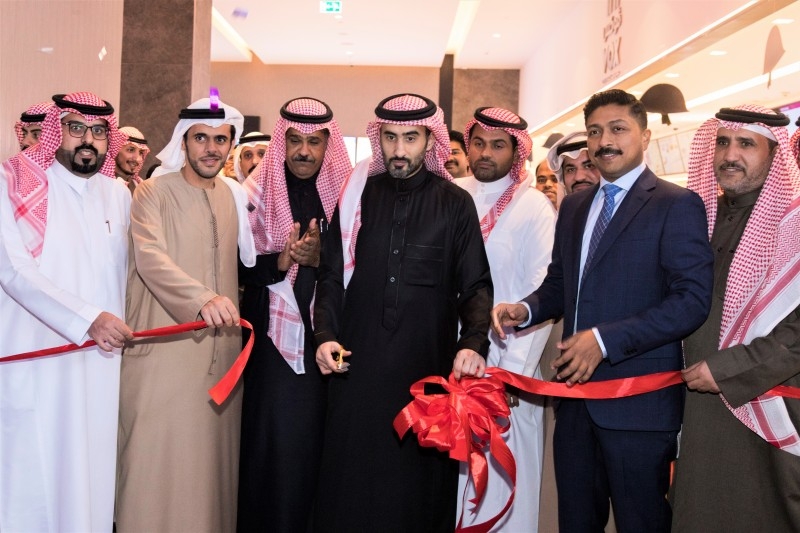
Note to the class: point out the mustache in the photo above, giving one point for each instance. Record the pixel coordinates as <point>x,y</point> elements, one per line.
<point>405,159</point>
<point>727,166</point>
<point>87,147</point>
<point>607,151</point>
<point>303,159</point>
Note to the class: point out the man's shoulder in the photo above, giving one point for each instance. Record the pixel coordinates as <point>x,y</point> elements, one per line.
<point>449,188</point>
<point>573,200</point>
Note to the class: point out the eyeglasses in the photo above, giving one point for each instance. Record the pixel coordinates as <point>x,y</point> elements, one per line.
<point>78,129</point>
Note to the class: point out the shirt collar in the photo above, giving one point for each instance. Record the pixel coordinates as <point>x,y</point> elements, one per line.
<point>627,180</point>
<point>78,184</point>
<point>480,187</point>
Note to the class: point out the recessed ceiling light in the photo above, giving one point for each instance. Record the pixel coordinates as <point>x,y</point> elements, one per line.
<point>672,75</point>
<point>496,35</point>
<point>348,53</point>
<point>783,21</point>
<point>717,53</point>
<point>46,49</point>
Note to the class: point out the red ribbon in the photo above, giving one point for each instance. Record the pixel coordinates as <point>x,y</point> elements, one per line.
<point>219,392</point>
<point>474,413</point>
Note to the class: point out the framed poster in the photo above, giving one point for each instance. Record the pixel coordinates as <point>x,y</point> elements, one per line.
<point>671,155</point>
<point>684,142</point>
<point>653,159</point>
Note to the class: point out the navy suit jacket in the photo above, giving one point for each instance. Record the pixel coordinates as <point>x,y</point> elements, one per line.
<point>648,286</point>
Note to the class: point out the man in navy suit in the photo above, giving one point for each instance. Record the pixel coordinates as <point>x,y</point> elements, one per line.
<point>631,273</point>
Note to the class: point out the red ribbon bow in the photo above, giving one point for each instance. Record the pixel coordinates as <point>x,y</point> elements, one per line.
<point>474,413</point>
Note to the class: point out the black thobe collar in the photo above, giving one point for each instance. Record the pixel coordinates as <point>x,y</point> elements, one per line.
<point>740,200</point>
<point>293,183</point>
<point>414,182</point>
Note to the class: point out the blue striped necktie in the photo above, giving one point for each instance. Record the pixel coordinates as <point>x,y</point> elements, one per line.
<point>610,190</point>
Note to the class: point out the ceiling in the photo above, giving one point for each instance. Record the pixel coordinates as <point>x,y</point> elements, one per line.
<point>382,33</point>
<point>703,74</point>
<point>499,34</point>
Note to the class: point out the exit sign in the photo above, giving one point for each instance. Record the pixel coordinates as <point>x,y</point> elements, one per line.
<point>330,7</point>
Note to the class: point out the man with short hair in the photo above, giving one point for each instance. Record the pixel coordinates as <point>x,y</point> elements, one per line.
<point>294,193</point>
<point>517,225</point>
<point>130,160</point>
<point>547,182</point>
<point>569,159</point>
<point>29,126</point>
<point>457,164</point>
<point>739,468</point>
<point>406,245</point>
<point>179,451</point>
<point>631,274</point>
<point>248,153</point>
<point>64,231</point>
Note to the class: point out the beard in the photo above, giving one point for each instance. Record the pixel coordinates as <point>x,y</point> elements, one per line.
<point>411,168</point>
<point>203,172</point>
<point>79,164</point>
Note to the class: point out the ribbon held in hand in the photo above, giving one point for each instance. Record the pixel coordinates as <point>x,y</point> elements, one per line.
<point>219,392</point>
<point>474,413</point>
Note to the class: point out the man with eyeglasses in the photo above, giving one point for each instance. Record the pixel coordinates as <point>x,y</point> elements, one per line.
<point>64,233</point>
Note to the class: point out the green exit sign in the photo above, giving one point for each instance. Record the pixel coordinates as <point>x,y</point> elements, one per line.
<point>330,7</point>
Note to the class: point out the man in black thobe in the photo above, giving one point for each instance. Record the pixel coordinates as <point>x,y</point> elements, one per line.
<point>406,244</point>
<point>739,463</point>
<point>293,193</point>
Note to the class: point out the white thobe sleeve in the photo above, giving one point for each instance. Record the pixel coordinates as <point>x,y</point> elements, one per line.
<point>535,246</point>
<point>63,312</point>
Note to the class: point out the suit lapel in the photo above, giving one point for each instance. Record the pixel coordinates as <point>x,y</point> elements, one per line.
<point>637,197</point>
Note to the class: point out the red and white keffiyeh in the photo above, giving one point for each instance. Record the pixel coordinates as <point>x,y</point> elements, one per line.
<point>33,115</point>
<point>764,279</point>
<point>136,138</point>
<point>272,219</point>
<point>496,118</point>
<point>795,143</point>
<point>350,201</point>
<point>25,172</point>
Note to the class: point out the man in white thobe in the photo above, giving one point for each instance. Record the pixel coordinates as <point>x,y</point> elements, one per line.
<point>64,232</point>
<point>518,225</point>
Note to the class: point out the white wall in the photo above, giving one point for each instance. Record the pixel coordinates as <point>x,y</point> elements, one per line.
<point>76,30</point>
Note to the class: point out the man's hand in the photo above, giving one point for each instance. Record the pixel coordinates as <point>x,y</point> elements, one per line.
<point>306,251</point>
<point>468,363</point>
<point>220,311</point>
<point>581,354</point>
<point>507,315</point>
<point>698,378</point>
<point>109,332</point>
<point>285,260</point>
<point>327,354</point>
